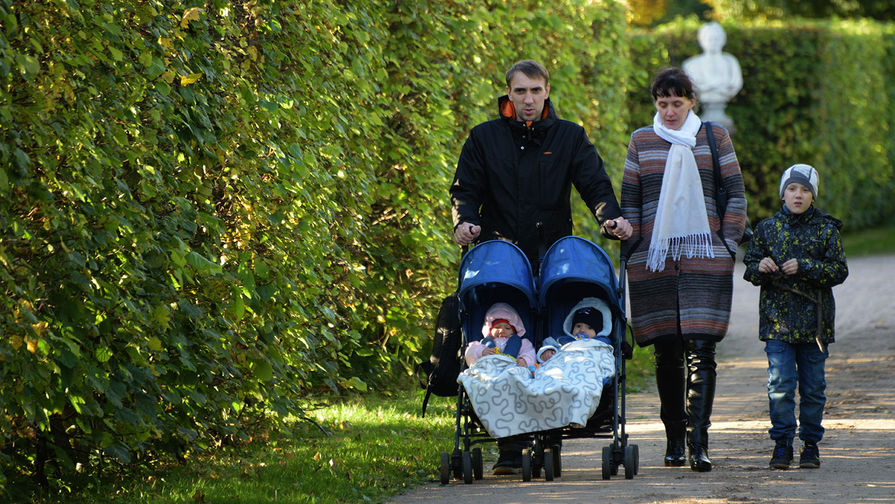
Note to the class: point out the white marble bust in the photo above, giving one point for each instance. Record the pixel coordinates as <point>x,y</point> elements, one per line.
<point>716,75</point>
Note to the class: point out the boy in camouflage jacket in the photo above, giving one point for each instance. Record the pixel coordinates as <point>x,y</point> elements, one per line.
<point>796,258</point>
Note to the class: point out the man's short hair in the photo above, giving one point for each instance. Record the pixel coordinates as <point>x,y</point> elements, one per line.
<point>530,68</point>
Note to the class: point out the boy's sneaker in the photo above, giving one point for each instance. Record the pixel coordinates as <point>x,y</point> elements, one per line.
<point>809,458</point>
<point>782,456</point>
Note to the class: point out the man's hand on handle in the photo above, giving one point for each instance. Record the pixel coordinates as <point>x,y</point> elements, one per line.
<point>620,228</point>
<point>466,233</point>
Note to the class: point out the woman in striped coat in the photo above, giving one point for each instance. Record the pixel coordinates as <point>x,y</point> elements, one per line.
<point>681,257</point>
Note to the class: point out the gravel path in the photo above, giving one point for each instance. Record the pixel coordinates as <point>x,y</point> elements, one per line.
<point>858,451</point>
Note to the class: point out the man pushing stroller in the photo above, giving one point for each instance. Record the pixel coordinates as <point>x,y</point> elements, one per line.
<point>506,152</point>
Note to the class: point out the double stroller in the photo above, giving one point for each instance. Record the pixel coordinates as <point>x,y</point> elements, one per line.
<point>571,270</point>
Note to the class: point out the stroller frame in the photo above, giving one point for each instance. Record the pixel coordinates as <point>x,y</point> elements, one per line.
<point>544,451</point>
<point>489,272</point>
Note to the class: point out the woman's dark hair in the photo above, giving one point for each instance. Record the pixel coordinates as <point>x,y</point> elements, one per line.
<point>671,81</point>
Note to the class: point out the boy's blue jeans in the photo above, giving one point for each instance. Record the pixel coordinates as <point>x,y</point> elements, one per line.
<point>789,364</point>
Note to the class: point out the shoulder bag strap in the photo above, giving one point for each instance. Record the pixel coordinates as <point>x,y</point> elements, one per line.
<point>720,191</point>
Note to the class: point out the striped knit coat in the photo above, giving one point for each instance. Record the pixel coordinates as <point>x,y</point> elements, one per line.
<point>696,291</point>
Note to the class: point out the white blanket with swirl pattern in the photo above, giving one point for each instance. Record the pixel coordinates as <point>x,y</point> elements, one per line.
<point>565,390</point>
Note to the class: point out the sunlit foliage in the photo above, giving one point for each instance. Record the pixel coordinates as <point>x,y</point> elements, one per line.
<point>212,210</point>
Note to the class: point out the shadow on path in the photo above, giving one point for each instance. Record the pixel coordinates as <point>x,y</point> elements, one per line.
<point>858,451</point>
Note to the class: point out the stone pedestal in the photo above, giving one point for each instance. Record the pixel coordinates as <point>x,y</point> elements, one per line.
<point>714,112</point>
<point>716,75</point>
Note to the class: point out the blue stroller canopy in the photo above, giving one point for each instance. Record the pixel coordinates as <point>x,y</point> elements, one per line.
<point>491,272</point>
<point>572,259</point>
<point>497,261</point>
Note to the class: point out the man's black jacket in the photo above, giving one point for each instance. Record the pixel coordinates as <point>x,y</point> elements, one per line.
<point>514,179</point>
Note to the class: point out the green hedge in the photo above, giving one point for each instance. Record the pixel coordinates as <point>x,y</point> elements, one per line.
<point>814,92</point>
<point>212,211</point>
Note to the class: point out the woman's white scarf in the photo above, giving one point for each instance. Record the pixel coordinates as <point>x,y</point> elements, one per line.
<point>682,224</point>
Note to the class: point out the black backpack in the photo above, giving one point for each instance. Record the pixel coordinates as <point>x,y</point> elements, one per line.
<point>443,367</point>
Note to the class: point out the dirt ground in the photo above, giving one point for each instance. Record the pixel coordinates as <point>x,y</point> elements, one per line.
<point>857,452</point>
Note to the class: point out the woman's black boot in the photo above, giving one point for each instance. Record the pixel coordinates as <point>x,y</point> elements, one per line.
<point>700,396</point>
<point>675,454</point>
<point>670,382</point>
<point>699,458</point>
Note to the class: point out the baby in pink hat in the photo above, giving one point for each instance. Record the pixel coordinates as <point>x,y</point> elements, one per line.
<point>502,333</point>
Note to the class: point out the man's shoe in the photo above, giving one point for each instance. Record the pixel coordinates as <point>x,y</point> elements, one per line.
<point>782,456</point>
<point>508,463</point>
<point>809,458</point>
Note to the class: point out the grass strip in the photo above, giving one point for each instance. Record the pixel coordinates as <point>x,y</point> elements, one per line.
<point>376,447</point>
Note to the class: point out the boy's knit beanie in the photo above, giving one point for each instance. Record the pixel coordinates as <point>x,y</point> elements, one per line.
<point>801,174</point>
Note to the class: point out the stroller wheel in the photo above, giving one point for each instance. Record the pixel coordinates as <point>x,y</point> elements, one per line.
<point>607,462</point>
<point>548,465</point>
<point>477,468</point>
<point>467,468</point>
<point>557,460</point>
<point>457,463</point>
<point>537,457</point>
<point>630,462</point>
<point>526,465</point>
<point>445,468</point>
